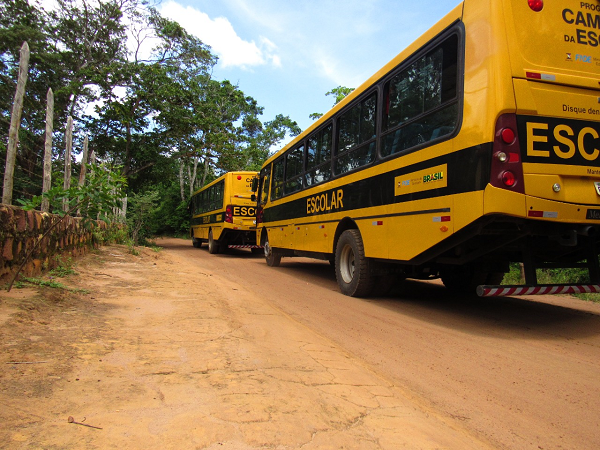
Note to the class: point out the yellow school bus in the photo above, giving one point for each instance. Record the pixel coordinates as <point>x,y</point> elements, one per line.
<point>477,146</point>
<point>223,213</point>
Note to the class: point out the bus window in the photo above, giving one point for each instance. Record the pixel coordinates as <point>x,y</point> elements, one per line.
<point>264,186</point>
<point>218,199</point>
<point>356,136</point>
<point>294,169</point>
<point>421,101</point>
<point>318,157</point>
<point>277,182</point>
<point>209,199</point>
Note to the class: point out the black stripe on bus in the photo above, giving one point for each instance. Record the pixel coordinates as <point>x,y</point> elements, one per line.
<point>212,219</point>
<point>468,170</point>
<point>381,216</point>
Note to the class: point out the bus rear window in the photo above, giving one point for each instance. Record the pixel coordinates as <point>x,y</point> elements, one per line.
<point>421,100</point>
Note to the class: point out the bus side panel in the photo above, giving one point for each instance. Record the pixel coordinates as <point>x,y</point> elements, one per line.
<point>316,237</point>
<point>488,89</point>
<point>279,236</point>
<point>403,236</point>
<point>467,208</point>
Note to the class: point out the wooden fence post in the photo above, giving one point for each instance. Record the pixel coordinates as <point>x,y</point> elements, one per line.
<point>15,123</point>
<point>69,146</point>
<point>47,183</point>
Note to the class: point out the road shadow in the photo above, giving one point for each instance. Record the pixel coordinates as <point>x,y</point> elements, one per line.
<point>186,244</point>
<point>509,317</point>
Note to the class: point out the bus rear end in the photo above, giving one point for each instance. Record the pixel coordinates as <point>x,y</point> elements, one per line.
<point>240,211</point>
<point>546,156</point>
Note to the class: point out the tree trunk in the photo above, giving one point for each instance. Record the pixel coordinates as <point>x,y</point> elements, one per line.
<point>194,175</point>
<point>15,123</point>
<point>47,183</point>
<point>181,182</point>
<point>69,146</point>
<point>206,167</point>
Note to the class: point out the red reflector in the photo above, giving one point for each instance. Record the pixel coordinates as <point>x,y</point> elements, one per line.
<point>508,136</point>
<point>508,178</point>
<point>536,214</point>
<point>514,157</point>
<point>445,218</point>
<point>537,76</point>
<point>239,177</point>
<point>536,5</point>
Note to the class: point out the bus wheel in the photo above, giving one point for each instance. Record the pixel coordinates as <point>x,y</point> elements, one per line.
<point>213,246</point>
<point>273,258</point>
<point>351,266</point>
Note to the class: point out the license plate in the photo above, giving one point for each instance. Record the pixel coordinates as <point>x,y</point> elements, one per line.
<point>593,214</point>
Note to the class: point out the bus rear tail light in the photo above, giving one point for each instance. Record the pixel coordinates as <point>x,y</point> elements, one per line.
<point>507,170</point>
<point>536,5</point>
<point>229,214</point>
<point>508,178</point>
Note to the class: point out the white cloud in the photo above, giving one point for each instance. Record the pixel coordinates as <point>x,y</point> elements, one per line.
<point>231,49</point>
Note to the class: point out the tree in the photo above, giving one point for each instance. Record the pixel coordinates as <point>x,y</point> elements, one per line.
<point>268,136</point>
<point>71,46</point>
<point>340,93</point>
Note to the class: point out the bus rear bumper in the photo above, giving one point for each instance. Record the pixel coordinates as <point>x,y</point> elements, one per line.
<point>539,289</point>
<point>245,246</point>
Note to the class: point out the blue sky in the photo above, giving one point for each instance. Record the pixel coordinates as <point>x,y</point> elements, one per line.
<point>288,54</point>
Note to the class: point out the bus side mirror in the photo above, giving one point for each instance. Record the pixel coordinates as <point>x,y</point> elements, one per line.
<point>254,185</point>
<point>253,197</point>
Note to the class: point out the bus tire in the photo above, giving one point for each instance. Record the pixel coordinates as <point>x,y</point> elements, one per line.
<point>213,245</point>
<point>272,257</point>
<point>352,268</point>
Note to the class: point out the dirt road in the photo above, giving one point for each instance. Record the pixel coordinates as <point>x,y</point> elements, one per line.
<point>182,349</point>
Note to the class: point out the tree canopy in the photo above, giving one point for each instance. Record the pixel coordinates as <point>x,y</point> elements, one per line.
<point>138,85</point>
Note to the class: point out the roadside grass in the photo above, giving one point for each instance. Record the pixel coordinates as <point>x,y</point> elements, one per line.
<point>552,276</point>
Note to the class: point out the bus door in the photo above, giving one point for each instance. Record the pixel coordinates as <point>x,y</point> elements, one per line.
<point>554,51</point>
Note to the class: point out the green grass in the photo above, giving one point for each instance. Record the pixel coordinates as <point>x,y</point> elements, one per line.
<point>30,281</point>
<point>553,276</point>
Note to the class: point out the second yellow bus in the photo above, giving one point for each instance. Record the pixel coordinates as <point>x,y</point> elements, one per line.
<point>223,213</point>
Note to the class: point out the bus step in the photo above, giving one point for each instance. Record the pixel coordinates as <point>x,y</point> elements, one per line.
<point>538,289</point>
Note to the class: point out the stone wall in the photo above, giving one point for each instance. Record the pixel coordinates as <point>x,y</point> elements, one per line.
<point>21,230</point>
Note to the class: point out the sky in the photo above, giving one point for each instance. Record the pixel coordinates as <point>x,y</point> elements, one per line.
<point>288,54</point>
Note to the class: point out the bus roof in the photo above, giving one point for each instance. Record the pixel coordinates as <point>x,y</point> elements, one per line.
<point>216,180</point>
